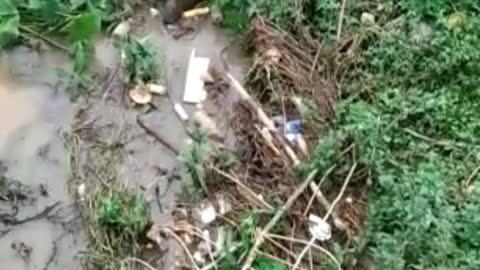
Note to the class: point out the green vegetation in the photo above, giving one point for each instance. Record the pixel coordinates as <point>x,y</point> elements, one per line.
<point>411,106</point>
<point>142,62</point>
<point>58,22</point>
<point>116,217</point>
<point>193,157</point>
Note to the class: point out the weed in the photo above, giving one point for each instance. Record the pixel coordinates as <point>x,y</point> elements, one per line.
<point>194,158</point>
<point>142,62</point>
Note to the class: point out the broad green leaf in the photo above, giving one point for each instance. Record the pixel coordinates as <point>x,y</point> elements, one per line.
<point>83,27</point>
<point>9,22</point>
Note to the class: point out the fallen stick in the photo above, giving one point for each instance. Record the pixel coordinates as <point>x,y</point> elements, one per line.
<point>44,213</point>
<point>261,236</point>
<point>242,186</point>
<point>157,136</point>
<point>337,221</point>
<point>340,19</point>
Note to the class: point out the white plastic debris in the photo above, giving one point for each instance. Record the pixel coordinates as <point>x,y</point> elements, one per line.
<point>207,214</point>
<point>121,30</point>
<point>180,111</point>
<point>367,18</point>
<point>157,89</point>
<point>319,228</point>
<point>154,12</point>
<point>81,191</point>
<point>194,85</point>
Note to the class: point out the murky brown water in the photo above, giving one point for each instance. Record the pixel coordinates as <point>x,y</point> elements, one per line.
<point>33,114</point>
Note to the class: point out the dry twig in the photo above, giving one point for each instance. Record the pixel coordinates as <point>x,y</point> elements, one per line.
<point>261,235</point>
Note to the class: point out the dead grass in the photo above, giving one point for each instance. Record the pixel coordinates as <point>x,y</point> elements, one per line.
<point>114,216</point>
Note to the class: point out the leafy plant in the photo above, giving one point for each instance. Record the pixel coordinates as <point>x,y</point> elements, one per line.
<point>194,158</point>
<point>141,61</point>
<point>9,22</point>
<point>123,214</point>
<point>415,126</point>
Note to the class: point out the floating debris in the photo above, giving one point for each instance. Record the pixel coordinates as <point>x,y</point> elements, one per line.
<point>182,114</point>
<point>157,89</point>
<point>154,12</point>
<point>207,213</point>
<point>121,30</point>
<point>141,95</point>
<point>194,85</point>
<point>195,12</point>
<point>319,228</point>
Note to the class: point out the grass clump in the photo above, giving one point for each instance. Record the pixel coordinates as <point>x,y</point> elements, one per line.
<point>115,216</point>
<point>141,61</point>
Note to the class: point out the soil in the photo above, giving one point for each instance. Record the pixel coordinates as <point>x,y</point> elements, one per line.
<point>36,110</point>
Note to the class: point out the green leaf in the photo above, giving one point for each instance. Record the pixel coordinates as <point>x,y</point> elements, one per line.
<point>82,52</point>
<point>9,22</point>
<point>83,27</point>
<point>264,263</point>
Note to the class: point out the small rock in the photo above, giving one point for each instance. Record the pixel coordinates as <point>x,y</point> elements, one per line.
<point>367,18</point>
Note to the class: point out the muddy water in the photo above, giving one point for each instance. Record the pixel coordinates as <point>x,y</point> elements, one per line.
<point>34,111</point>
<point>33,114</point>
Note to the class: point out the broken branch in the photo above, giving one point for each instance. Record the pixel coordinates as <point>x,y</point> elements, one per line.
<point>261,236</point>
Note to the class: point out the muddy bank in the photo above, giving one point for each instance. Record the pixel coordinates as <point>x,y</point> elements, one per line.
<point>36,112</point>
